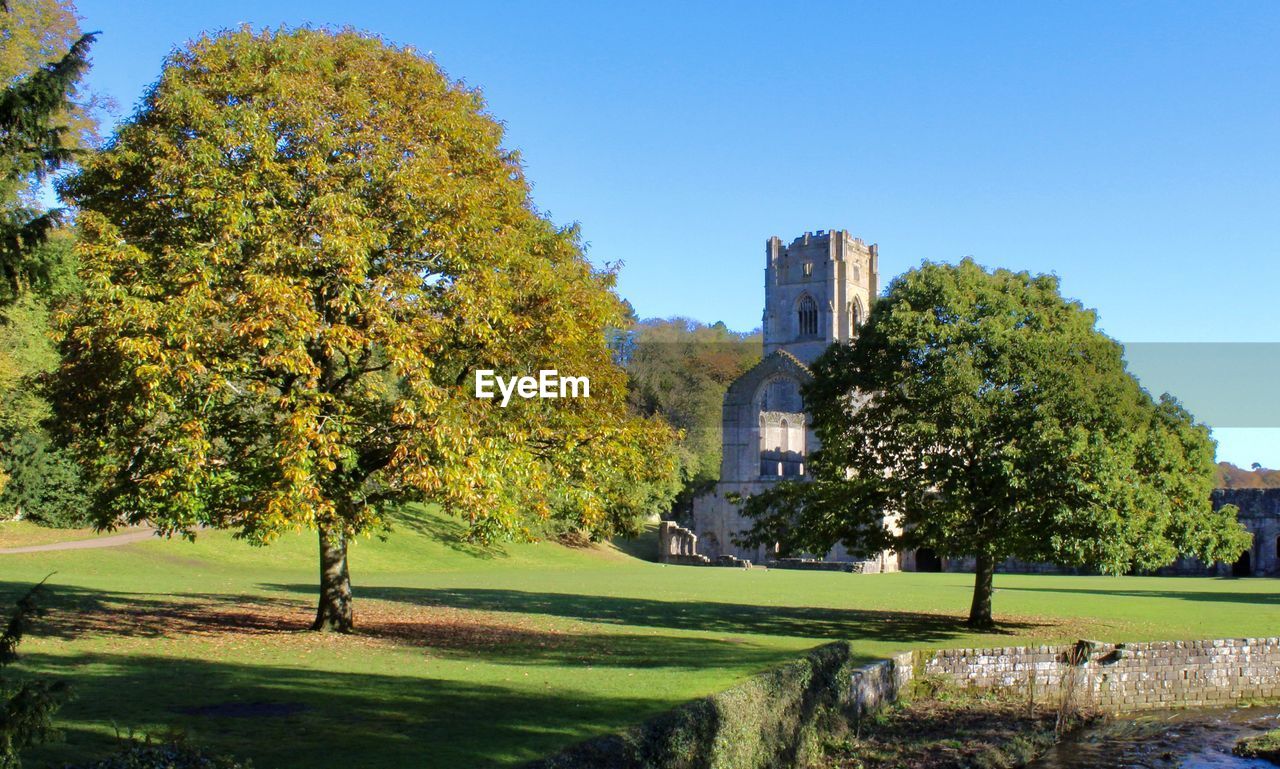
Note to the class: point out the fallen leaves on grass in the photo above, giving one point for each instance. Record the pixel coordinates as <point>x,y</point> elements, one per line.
<point>232,619</point>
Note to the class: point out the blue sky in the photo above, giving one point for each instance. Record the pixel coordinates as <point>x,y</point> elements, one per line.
<point>1132,148</point>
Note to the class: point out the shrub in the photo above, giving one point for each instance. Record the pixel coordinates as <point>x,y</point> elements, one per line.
<point>1265,746</point>
<point>45,484</point>
<point>26,708</point>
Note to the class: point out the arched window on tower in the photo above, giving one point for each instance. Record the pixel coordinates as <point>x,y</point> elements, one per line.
<point>808,314</point>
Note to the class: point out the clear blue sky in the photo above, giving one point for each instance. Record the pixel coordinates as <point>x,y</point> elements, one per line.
<point>1131,148</point>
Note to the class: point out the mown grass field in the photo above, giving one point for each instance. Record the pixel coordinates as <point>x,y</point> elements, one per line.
<point>468,658</point>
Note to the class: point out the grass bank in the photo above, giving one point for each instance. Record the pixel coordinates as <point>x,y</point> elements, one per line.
<point>469,657</point>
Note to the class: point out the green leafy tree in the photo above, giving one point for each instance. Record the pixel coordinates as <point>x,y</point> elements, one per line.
<point>44,482</point>
<point>26,708</point>
<point>982,415</point>
<point>296,255</point>
<point>679,370</point>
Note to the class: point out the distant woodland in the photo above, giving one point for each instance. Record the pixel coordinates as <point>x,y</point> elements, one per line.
<point>1232,477</point>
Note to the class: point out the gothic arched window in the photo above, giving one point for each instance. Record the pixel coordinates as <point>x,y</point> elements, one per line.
<point>808,313</point>
<point>855,312</point>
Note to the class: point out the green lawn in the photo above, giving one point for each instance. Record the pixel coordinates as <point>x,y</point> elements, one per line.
<point>470,658</point>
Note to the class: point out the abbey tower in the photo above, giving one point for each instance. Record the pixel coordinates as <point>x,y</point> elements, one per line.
<point>818,290</point>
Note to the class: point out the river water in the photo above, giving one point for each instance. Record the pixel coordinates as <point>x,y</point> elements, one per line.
<point>1184,739</point>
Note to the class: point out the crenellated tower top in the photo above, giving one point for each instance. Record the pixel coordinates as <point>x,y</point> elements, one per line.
<point>818,290</point>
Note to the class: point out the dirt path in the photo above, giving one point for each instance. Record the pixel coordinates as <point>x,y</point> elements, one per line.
<point>115,540</point>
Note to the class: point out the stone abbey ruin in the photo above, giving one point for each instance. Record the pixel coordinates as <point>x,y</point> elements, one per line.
<point>818,290</point>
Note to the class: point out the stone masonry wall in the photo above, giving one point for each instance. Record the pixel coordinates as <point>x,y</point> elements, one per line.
<point>1121,677</point>
<point>768,720</point>
<point>878,684</point>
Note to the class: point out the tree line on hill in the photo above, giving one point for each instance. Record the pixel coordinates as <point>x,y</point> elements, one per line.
<point>1230,476</point>
<point>678,369</point>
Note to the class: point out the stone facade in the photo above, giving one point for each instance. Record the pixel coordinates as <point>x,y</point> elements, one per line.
<point>1260,514</point>
<point>818,290</point>
<point>1121,677</point>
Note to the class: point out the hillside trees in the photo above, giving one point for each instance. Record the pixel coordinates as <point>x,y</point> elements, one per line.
<point>1258,477</point>
<point>296,255</point>
<point>679,370</point>
<point>988,417</point>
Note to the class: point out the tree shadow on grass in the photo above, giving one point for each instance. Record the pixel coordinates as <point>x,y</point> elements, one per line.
<point>439,631</point>
<point>708,616</point>
<point>643,546</point>
<point>289,717</point>
<point>1270,599</point>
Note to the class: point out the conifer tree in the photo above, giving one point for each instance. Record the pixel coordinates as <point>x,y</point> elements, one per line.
<point>33,145</point>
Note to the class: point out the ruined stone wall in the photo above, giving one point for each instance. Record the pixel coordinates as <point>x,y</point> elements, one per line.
<point>1121,677</point>
<point>774,718</point>
<point>1259,512</point>
<point>678,545</point>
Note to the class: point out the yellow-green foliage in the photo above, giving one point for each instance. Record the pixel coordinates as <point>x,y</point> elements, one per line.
<point>295,255</point>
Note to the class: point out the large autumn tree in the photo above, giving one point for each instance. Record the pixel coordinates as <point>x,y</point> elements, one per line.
<point>296,254</point>
<point>981,414</point>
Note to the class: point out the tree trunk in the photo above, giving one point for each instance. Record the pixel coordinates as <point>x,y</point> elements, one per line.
<point>980,610</point>
<point>334,612</point>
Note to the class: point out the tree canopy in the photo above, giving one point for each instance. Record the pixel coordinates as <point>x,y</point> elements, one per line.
<point>296,254</point>
<point>679,370</point>
<point>982,415</point>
